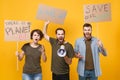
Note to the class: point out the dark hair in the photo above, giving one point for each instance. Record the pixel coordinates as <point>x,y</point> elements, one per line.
<point>38,31</point>
<point>87,25</point>
<point>59,29</point>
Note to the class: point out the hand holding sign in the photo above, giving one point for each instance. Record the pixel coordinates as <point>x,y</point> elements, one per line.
<point>17,31</point>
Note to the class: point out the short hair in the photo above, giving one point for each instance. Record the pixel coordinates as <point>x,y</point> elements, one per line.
<point>87,25</point>
<point>38,32</point>
<point>59,29</point>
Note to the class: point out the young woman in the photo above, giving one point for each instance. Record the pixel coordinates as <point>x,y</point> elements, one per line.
<point>33,52</point>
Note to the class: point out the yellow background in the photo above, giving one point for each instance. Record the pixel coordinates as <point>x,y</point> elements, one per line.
<point>26,10</point>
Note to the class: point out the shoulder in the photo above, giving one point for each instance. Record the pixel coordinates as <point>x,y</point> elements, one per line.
<point>94,39</point>
<point>68,44</point>
<point>51,38</point>
<point>26,44</point>
<point>80,39</point>
<point>41,45</point>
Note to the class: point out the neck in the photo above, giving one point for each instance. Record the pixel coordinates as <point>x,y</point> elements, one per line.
<point>34,43</point>
<point>88,38</point>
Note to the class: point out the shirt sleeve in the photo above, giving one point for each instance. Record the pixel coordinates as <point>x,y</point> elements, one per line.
<point>70,52</point>
<point>24,47</point>
<point>52,40</point>
<point>76,49</point>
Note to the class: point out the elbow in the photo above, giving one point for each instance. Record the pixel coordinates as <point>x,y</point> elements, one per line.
<point>105,54</point>
<point>69,62</point>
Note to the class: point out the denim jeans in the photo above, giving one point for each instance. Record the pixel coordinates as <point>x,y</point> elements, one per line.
<point>32,76</point>
<point>88,75</point>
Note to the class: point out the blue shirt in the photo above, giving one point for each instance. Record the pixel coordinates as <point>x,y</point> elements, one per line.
<point>81,47</point>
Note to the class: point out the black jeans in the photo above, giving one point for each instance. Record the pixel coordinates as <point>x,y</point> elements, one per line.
<point>60,76</point>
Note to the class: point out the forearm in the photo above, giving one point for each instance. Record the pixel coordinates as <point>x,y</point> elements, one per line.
<point>20,57</point>
<point>103,51</point>
<point>44,57</point>
<point>68,60</point>
<point>45,28</point>
<point>45,31</point>
<point>101,48</point>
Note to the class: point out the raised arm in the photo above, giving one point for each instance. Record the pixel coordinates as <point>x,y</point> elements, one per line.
<point>45,30</point>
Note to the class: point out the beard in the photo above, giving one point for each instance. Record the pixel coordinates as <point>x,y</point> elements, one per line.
<point>61,40</point>
<point>87,36</point>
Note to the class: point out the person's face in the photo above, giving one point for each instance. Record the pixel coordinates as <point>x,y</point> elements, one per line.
<point>87,31</point>
<point>36,37</point>
<point>60,35</point>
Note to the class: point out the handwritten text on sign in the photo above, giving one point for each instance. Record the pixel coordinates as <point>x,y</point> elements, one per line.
<point>17,30</point>
<point>52,14</point>
<point>97,12</point>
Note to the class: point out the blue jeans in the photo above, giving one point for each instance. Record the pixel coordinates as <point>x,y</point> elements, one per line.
<point>32,76</point>
<point>88,75</point>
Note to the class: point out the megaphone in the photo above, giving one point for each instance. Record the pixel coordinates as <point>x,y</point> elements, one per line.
<point>61,52</point>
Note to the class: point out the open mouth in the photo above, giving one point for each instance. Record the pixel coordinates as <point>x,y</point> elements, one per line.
<point>61,38</point>
<point>36,39</point>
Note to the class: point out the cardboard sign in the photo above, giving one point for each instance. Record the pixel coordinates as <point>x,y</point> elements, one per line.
<point>17,30</point>
<point>97,12</point>
<point>52,14</point>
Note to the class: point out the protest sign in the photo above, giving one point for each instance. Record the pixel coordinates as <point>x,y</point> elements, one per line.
<point>17,30</point>
<point>52,14</point>
<point>97,12</point>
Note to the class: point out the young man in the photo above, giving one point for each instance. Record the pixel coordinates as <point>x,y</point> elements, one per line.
<point>59,64</point>
<point>87,50</point>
